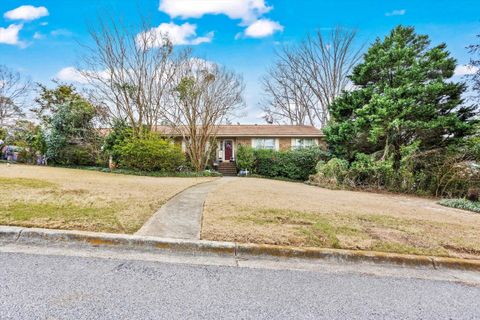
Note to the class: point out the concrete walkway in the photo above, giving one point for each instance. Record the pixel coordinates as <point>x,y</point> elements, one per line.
<point>181,216</point>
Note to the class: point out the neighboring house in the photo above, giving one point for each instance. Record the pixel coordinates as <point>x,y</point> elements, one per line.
<point>276,137</point>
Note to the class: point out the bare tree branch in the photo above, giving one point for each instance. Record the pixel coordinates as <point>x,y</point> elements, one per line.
<point>205,95</point>
<point>307,77</point>
<point>14,90</point>
<point>130,70</point>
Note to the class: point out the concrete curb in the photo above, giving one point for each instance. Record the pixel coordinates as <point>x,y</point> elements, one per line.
<point>35,236</point>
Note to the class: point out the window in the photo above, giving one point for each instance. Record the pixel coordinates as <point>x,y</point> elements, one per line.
<point>264,143</point>
<point>303,143</point>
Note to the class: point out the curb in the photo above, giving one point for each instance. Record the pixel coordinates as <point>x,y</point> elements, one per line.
<point>235,250</point>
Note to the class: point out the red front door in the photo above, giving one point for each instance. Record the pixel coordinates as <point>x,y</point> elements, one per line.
<point>228,150</point>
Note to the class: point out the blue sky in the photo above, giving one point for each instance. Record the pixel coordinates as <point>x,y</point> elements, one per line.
<point>40,38</point>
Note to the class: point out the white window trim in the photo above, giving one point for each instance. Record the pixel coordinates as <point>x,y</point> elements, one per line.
<point>276,141</point>
<point>294,141</point>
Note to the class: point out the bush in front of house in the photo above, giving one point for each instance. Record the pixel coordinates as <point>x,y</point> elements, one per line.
<point>297,164</point>
<point>245,158</point>
<point>149,153</point>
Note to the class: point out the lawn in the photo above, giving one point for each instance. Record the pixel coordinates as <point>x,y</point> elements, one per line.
<point>61,198</point>
<point>252,210</point>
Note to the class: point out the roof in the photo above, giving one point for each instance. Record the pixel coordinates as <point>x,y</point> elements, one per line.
<point>254,130</point>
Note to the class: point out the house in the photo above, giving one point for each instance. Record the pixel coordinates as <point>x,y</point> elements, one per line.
<point>275,137</point>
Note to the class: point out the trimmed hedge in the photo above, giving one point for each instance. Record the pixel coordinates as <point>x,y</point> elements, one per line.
<point>150,153</point>
<point>297,164</point>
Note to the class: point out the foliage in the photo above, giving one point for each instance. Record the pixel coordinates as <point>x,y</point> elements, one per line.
<point>149,153</point>
<point>29,138</point>
<point>71,136</point>
<point>405,127</point>
<point>121,132</point>
<point>49,100</point>
<point>461,204</point>
<point>296,164</point>
<point>402,96</point>
<point>245,158</point>
<point>335,171</point>
<point>3,133</point>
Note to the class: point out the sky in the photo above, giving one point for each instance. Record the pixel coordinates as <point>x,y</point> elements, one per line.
<point>43,39</point>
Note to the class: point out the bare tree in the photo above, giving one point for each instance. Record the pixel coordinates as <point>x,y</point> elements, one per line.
<point>205,95</point>
<point>474,78</point>
<point>14,90</point>
<point>307,77</point>
<point>130,70</point>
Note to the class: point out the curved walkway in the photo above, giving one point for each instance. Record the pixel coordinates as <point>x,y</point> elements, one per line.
<point>181,216</point>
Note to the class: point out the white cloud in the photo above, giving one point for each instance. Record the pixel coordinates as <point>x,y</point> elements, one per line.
<point>263,28</point>
<point>464,70</point>
<point>26,13</point>
<point>185,34</point>
<point>71,74</point>
<point>9,35</point>
<point>245,10</point>
<point>38,36</point>
<point>61,33</point>
<point>396,13</point>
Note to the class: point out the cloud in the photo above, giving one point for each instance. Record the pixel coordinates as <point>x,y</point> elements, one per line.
<point>61,33</point>
<point>245,10</point>
<point>464,70</point>
<point>26,13</point>
<point>185,34</point>
<point>262,28</point>
<point>38,36</point>
<point>396,13</point>
<point>9,35</point>
<point>71,74</point>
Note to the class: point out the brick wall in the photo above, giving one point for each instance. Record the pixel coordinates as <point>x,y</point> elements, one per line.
<point>285,143</point>
<point>244,141</point>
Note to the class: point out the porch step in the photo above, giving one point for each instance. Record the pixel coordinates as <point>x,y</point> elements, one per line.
<point>227,168</point>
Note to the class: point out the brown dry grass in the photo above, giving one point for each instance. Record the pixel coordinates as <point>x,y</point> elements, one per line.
<point>285,213</point>
<point>82,200</point>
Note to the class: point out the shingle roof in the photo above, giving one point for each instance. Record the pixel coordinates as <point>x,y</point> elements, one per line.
<point>269,130</point>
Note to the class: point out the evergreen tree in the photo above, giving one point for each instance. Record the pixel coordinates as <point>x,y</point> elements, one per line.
<point>402,97</point>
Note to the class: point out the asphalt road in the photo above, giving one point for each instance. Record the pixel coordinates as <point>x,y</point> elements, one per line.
<point>44,286</point>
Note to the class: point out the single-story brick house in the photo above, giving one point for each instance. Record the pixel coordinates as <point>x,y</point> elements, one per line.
<point>276,137</point>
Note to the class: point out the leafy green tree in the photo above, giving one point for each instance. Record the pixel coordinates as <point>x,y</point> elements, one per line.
<point>121,132</point>
<point>402,96</point>
<point>49,100</point>
<point>71,136</point>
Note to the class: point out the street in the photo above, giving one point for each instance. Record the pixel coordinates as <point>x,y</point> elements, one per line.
<point>70,285</point>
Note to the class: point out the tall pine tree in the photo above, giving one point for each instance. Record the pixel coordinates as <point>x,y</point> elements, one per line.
<point>402,96</point>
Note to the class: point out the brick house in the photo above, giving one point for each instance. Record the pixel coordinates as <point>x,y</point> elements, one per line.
<point>276,137</point>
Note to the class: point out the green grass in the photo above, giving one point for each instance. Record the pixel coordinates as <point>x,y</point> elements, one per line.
<point>463,204</point>
<point>29,214</point>
<point>26,183</point>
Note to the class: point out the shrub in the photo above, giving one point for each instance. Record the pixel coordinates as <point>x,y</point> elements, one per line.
<point>264,163</point>
<point>82,155</point>
<point>335,171</point>
<point>365,171</point>
<point>245,158</point>
<point>150,153</point>
<point>296,164</point>
<point>461,204</point>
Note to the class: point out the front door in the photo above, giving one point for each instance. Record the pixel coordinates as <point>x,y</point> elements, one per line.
<point>228,150</point>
